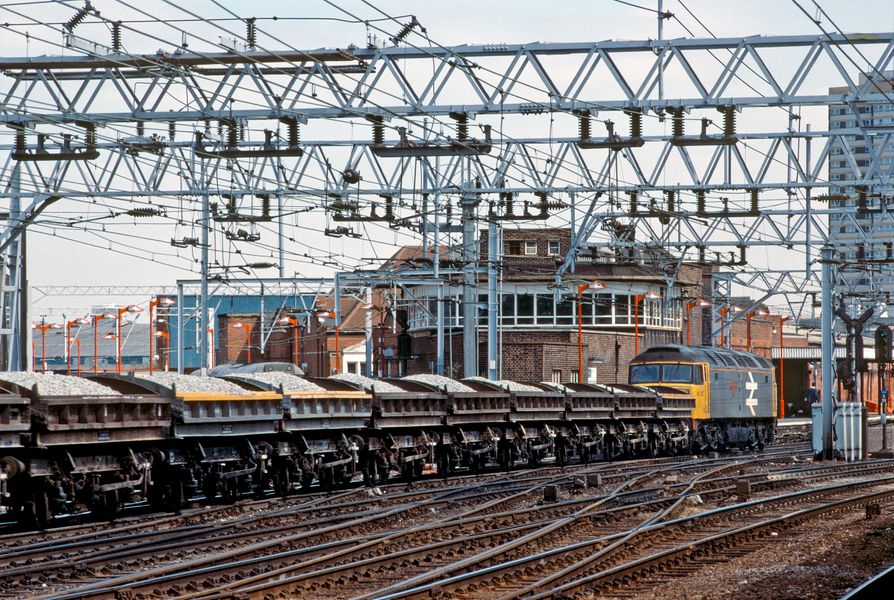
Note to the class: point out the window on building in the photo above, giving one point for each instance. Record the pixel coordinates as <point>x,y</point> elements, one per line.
<point>602,309</point>
<point>553,248</point>
<point>361,368</point>
<point>565,312</point>
<point>530,248</point>
<point>352,367</point>
<point>507,309</point>
<point>575,376</point>
<point>622,310</point>
<point>545,309</point>
<point>556,376</point>
<point>525,309</point>
<point>512,248</point>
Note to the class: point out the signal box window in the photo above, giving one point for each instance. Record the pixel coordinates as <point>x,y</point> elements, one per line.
<point>557,376</point>
<point>554,248</point>
<point>530,248</point>
<point>513,248</point>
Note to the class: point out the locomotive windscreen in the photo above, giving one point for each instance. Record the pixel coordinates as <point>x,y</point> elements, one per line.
<point>665,373</point>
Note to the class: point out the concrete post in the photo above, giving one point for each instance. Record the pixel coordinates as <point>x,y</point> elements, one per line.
<point>469,205</point>
<point>202,320</point>
<point>368,326</point>
<point>494,247</point>
<point>180,313</point>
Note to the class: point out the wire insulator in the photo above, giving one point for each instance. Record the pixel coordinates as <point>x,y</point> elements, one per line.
<point>172,130</point>
<point>265,205</point>
<point>116,37</point>
<point>144,212</point>
<point>232,135</point>
<point>671,201</point>
<point>700,201</point>
<point>754,195</point>
<point>636,123</point>
<point>729,120</point>
<point>378,131</point>
<point>294,132</point>
<point>140,128</point>
<point>20,140</point>
<point>242,131</point>
<point>91,134</point>
<point>462,125</point>
<point>678,125</point>
<point>583,124</point>
<point>633,202</point>
<point>79,16</point>
<point>250,34</point>
<point>231,205</point>
<point>405,31</point>
<point>861,199</point>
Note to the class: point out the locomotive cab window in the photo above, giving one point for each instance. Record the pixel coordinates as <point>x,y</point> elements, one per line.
<point>666,374</point>
<point>645,373</point>
<point>677,373</point>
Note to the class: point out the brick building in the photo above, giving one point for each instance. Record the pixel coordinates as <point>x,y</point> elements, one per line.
<point>539,328</point>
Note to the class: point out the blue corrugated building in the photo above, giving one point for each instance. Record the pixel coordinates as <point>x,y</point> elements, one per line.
<point>220,305</point>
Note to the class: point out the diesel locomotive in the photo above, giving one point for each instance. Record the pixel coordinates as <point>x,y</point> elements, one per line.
<point>734,391</point>
<point>70,444</point>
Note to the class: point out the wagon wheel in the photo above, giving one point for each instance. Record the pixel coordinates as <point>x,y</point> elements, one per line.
<point>284,482</point>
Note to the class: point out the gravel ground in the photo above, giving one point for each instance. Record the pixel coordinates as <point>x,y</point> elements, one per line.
<point>49,384</point>
<point>817,561</point>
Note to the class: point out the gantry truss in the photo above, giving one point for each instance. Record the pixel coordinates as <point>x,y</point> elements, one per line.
<point>178,124</point>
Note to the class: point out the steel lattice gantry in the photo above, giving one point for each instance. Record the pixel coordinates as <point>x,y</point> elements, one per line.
<point>91,111</point>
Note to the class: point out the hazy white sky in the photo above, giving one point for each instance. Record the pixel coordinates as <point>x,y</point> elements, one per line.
<point>59,255</point>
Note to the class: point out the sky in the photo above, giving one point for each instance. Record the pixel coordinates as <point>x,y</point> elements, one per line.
<point>128,251</point>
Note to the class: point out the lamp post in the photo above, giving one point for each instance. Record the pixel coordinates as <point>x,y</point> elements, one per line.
<point>782,321</point>
<point>321,316</point>
<point>114,336</point>
<point>166,336</point>
<point>43,340</point>
<point>132,309</point>
<point>636,300</point>
<point>755,313</point>
<point>247,328</point>
<point>78,342</point>
<point>287,320</point>
<point>163,301</point>
<point>699,302</point>
<point>725,310</point>
<point>96,320</point>
<point>68,324</point>
<point>591,286</point>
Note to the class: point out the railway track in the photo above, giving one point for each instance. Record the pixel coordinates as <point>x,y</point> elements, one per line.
<point>253,538</point>
<point>46,562</point>
<point>577,567</point>
<point>491,522</point>
<point>375,573</point>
